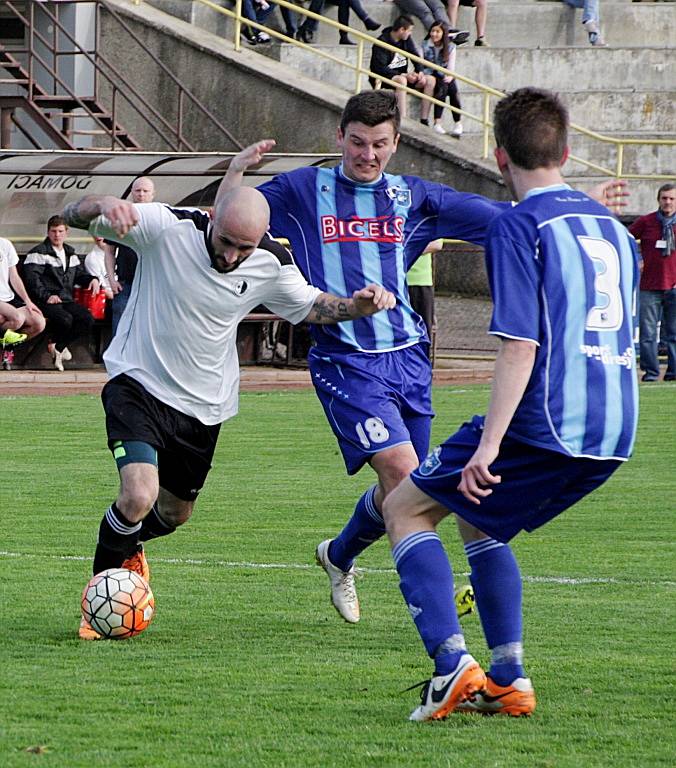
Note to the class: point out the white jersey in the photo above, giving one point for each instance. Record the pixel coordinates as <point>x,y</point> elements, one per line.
<point>8,258</point>
<point>177,336</point>
<point>95,264</point>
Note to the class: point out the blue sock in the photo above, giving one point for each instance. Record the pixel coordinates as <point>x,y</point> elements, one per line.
<point>362,529</point>
<point>497,587</point>
<point>426,582</point>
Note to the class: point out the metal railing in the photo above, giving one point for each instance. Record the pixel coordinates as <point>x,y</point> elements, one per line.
<point>361,71</point>
<point>171,134</point>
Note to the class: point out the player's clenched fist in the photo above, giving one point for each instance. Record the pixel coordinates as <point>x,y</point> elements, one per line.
<point>120,213</point>
<point>373,298</point>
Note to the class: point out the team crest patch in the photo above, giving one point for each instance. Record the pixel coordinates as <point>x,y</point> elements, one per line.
<point>431,463</point>
<point>240,287</point>
<point>400,196</point>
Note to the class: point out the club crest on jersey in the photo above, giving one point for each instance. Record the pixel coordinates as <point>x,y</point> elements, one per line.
<point>380,229</point>
<point>400,196</point>
<point>431,463</point>
<point>240,287</point>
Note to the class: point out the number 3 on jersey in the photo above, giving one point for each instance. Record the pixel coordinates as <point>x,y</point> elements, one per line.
<point>607,314</point>
<point>373,430</point>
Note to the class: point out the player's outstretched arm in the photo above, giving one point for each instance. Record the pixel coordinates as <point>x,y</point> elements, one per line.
<point>120,213</point>
<point>513,368</point>
<point>251,155</point>
<point>329,309</point>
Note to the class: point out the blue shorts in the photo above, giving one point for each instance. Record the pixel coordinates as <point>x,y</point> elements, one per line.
<point>537,484</point>
<point>375,401</point>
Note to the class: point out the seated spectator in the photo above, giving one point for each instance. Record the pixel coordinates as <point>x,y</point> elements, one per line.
<point>307,29</point>
<point>344,18</point>
<point>437,49</point>
<point>395,67</point>
<point>259,10</point>
<point>590,19</point>
<point>427,11</point>
<point>20,318</point>
<point>95,264</point>
<point>52,270</point>
<point>480,16</point>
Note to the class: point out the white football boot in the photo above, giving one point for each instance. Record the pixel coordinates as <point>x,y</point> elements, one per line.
<point>343,592</point>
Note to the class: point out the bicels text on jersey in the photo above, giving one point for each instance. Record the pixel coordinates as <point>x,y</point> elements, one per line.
<point>383,229</point>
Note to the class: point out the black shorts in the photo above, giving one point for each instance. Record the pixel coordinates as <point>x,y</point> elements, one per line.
<point>467,3</point>
<point>185,446</point>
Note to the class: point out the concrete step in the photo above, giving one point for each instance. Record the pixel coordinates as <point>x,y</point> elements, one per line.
<point>553,23</point>
<point>638,159</point>
<point>643,192</point>
<point>511,23</point>
<point>565,69</point>
<point>633,113</point>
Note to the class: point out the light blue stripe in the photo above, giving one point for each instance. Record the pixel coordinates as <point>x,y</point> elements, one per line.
<point>575,379</point>
<point>628,267</point>
<point>477,547</point>
<point>370,504</point>
<point>334,277</point>
<point>403,211</point>
<point>612,427</point>
<point>371,268</point>
<point>406,544</point>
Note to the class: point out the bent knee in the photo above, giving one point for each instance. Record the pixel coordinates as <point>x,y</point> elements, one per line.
<point>176,515</point>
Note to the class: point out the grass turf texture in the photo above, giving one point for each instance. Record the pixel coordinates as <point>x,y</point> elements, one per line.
<point>250,666</point>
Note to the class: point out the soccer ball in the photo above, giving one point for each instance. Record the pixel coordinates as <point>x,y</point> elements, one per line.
<point>118,603</point>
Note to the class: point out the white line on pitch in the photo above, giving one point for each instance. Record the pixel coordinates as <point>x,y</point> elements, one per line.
<point>304,566</point>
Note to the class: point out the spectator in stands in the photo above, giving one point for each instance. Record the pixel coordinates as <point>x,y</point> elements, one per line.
<point>428,11</point>
<point>20,318</point>
<point>121,260</point>
<point>95,264</point>
<point>480,17</point>
<point>395,67</point>
<point>259,10</point>
<point>52,270</point>
<point>420,279</point>
<point>307,29</point>
<point>657,295</point>
<point>438,49</point>
<point>590,19</point>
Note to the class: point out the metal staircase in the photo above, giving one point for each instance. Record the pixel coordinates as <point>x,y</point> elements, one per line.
<point>57,115</point>
<point>38,95</point>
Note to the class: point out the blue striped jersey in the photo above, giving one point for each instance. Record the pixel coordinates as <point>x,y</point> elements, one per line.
<point>346,234</point>
<point>563,273</point>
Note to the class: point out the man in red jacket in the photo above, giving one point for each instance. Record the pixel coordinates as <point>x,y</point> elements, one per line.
<point>657,300</point>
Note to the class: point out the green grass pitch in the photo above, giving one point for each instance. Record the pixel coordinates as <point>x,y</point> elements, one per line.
<point>246,662</point>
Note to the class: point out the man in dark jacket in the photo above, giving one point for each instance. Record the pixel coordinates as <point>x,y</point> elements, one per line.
<point>51,271</point>
<point>395,66</point>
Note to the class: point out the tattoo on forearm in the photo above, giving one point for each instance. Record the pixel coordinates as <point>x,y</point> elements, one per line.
<point>77,216</point>
<point>84,211</point>
<point>330,310</point>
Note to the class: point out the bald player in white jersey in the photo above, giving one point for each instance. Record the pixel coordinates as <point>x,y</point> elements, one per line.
<point>173,362</point>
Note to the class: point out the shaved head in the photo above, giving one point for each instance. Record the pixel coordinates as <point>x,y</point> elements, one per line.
<point>143,190</point>
<point>245,209</point>
<point>240,220</point>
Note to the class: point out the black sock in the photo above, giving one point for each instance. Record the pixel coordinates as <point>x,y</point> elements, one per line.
<point>118,540</point>
<point>154,525</point>
<point>424,121</point>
